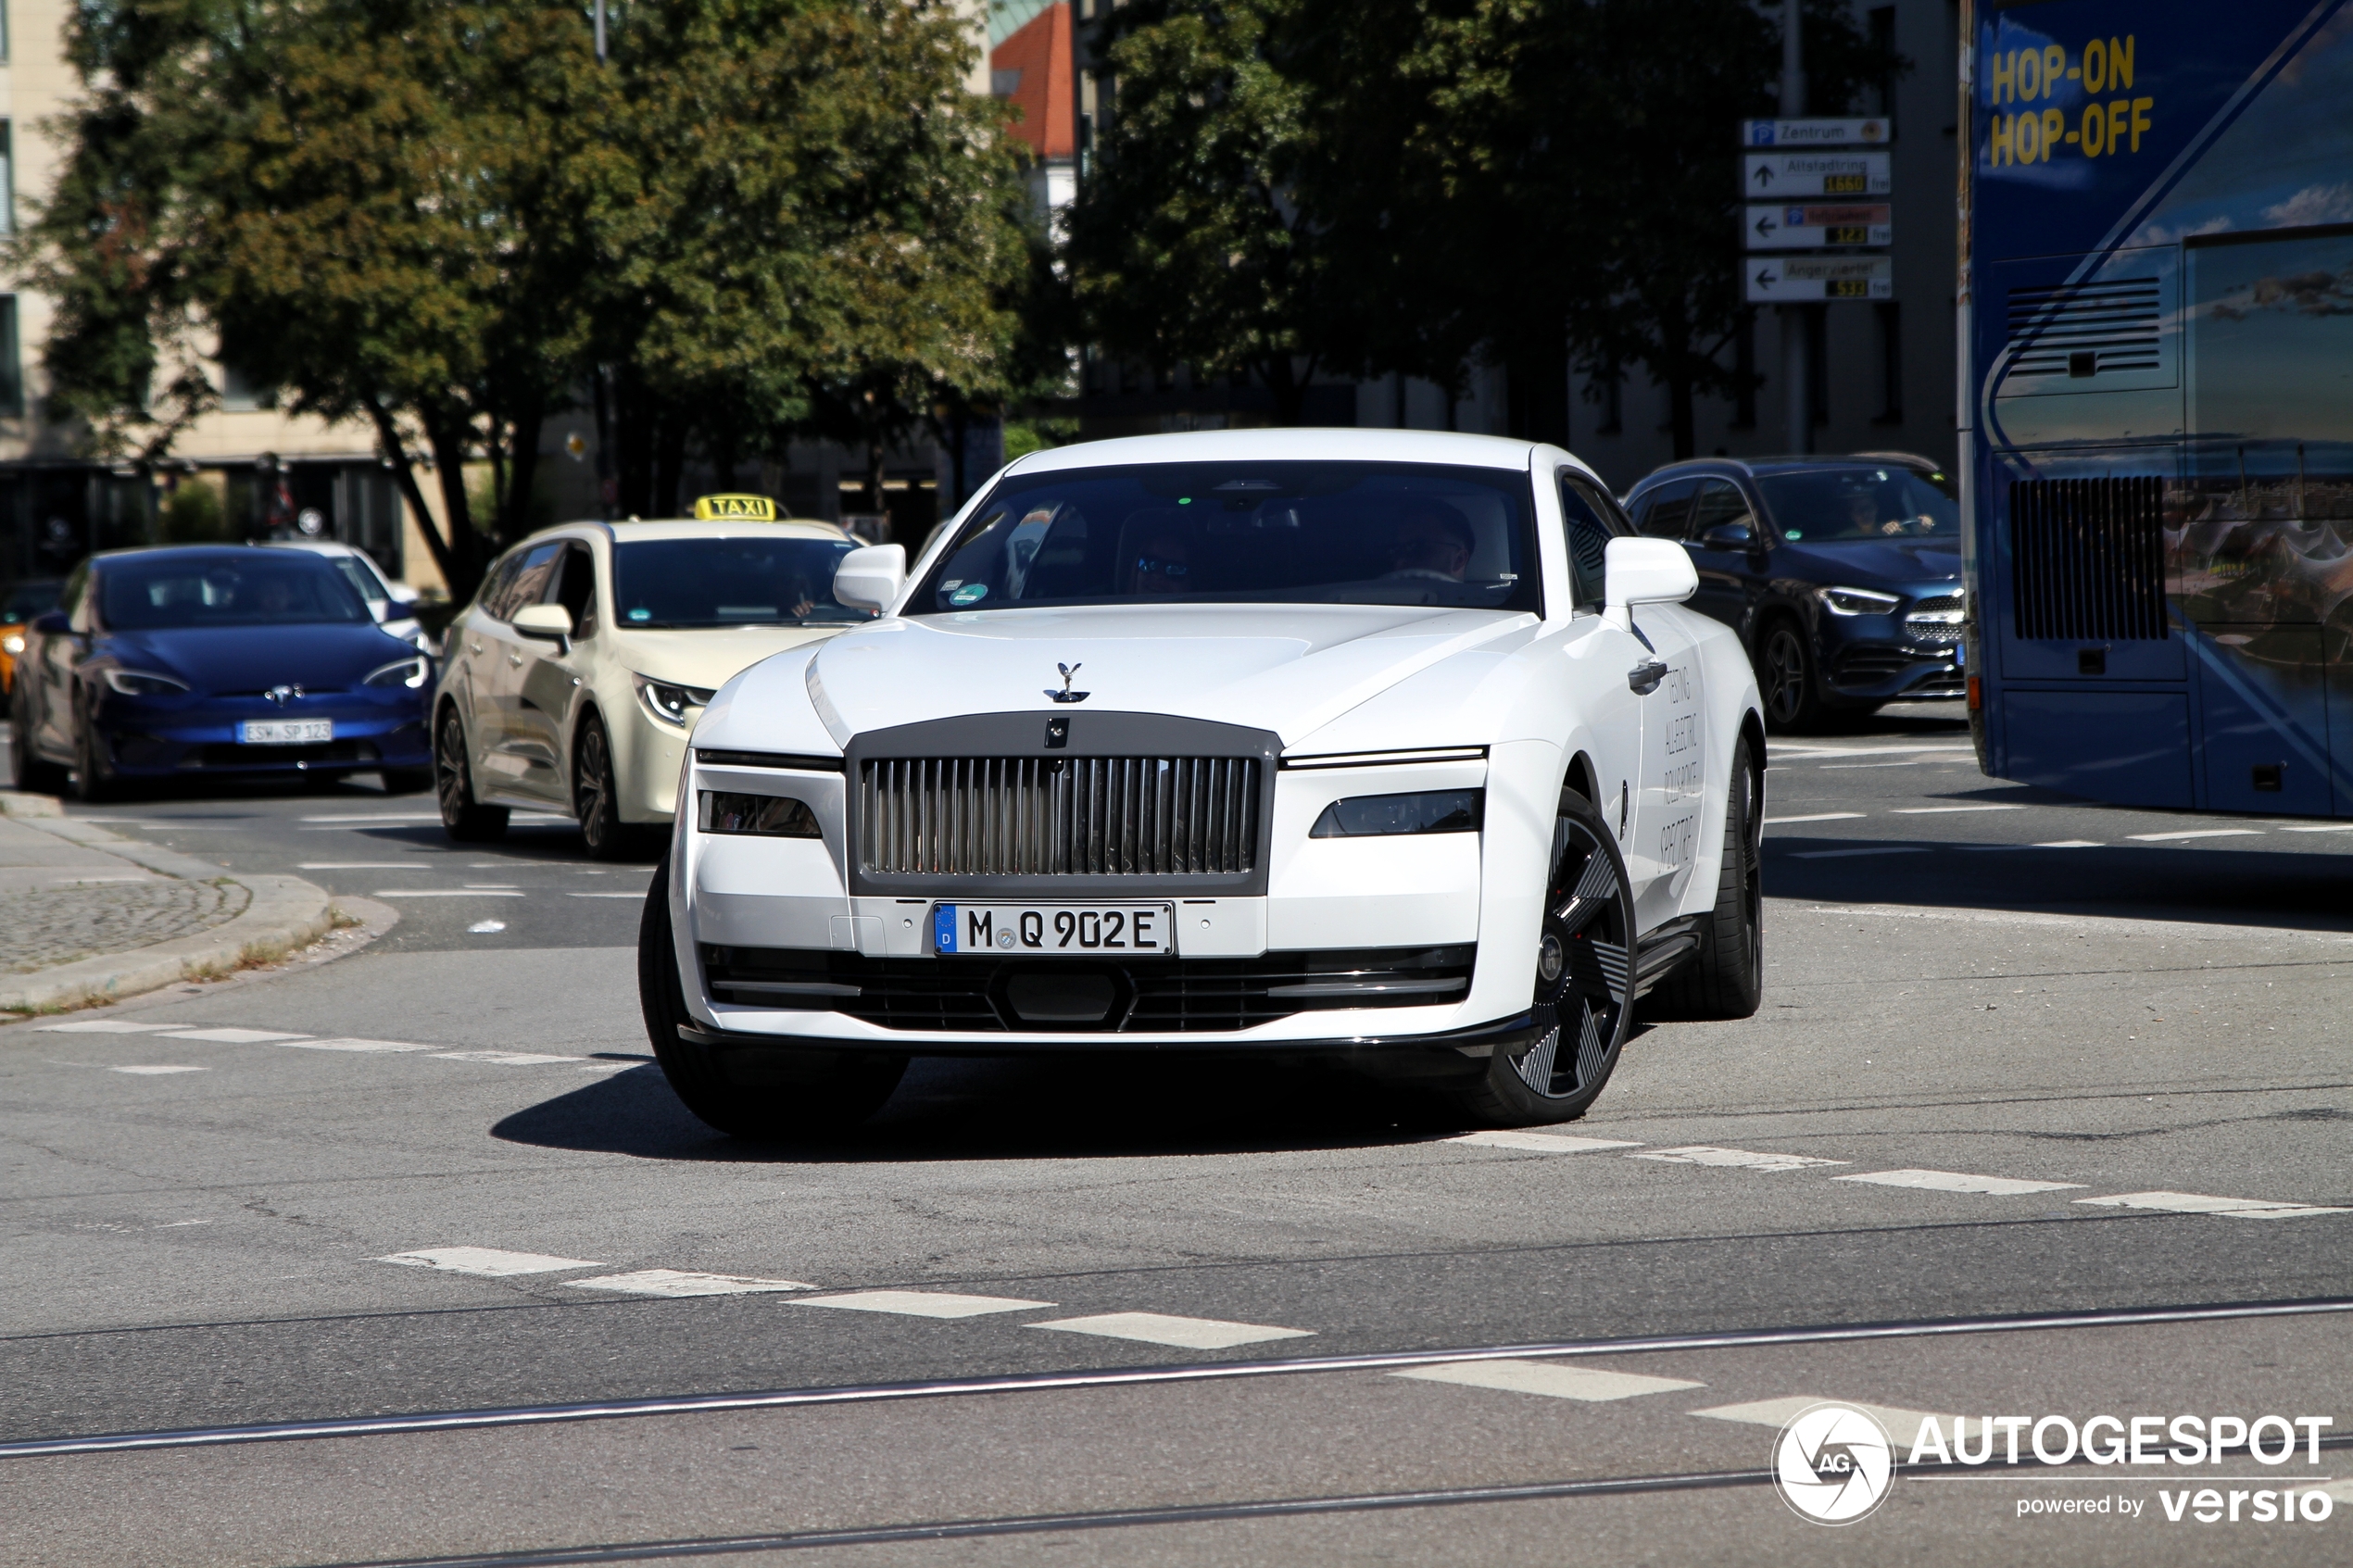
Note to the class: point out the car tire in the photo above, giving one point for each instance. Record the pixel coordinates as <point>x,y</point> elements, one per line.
<point>463,818</point>
<point>595,800</point>
<point>1725,979</point>
<point>32,773</point>
<point>1582,977</point>
<point>802,1094</point>
<point>1787,680</point>
<point>93,785</point>
<point>406,781</point>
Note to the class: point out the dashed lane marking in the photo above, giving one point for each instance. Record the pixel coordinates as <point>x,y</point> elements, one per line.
<point>378,817</point>
<point>1956,1181</point>
<point>639,896</point>
<point>684,1281</point>
<point>1948,810</point>
<point>1543,1143</point>
<point>1156,1328</point>
<point>1816,817</point>
<point>1742,1159</point>
<point>233,1036</point>
<point>2069,844</point>
<point>2199,1203</point>
<point>363,866</point>
<point>1548,1378</point>
<point>387,1047</point>
<point>921,1303</point>
<point>1815,753</point>
<point>447,893</point>
<point>105,1026</point>
<point>2320,827</point>
<point>1903,1426</point>
<point>487,1261</point>
<point>1838,854</point>
<point>146,1071</point>
<point>2194,833</point>
<point>504,1059</point>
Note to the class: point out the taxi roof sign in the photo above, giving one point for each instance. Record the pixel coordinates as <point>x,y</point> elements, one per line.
<point>734,508</point>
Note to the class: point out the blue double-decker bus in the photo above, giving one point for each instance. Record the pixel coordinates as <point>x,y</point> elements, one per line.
<point>2156,399</point>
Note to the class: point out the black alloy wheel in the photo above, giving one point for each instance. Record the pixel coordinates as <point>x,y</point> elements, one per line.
<point>1725,978</point>
<point>1580,1009</point>
<point>595,800</point>
<point>1785,671</point>
<point>760,1094</point>
<point>93,782</point>
<point>464,819</point>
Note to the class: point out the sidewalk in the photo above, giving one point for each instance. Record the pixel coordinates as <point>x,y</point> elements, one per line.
<point>95,917</point>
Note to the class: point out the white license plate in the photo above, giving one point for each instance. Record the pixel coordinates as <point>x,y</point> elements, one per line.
<point>286,732</point>
<point>1054,931</point>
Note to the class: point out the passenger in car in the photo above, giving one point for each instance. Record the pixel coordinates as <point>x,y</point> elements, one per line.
<point>1433,540</point>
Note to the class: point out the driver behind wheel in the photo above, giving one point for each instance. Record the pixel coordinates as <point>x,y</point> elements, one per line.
<point>1434,541</point>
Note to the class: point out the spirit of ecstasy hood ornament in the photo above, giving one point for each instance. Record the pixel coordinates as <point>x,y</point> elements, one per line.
<point>1067,695</point>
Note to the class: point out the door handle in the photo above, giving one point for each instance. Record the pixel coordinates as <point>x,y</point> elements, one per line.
<point>1644,677</point>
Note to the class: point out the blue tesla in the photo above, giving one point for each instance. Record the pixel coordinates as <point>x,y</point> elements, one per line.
<point>1842,575</point>
<point>185,663</point>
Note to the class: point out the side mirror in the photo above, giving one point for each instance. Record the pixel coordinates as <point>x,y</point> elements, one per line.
<point>549,623</point>
<point>1729,536</point>
<point>402,593</point>
<point>871,578</point>
<point>1644,571</point>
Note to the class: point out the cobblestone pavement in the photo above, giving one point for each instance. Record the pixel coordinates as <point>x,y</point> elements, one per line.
<point>54,925</point>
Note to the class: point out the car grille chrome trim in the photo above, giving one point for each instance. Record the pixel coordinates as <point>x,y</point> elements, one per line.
<point>1059,816</point>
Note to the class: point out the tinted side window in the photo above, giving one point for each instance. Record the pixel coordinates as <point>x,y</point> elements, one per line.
<point>576,586</point>
<point>1589,518</point>
<point>1666,511</point>
<point>527,583</point>
<point>1719,502</point>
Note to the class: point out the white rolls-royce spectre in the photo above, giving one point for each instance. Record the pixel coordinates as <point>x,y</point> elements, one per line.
<point>1393,746</point>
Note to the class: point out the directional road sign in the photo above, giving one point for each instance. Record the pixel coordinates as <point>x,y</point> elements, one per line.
<point>1814,134</point>
<point>1789,176</point>
<point>1791,278</point>
<point>1815,225</point>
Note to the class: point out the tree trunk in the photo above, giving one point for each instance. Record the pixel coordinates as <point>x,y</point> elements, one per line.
<point>633,412</point>
<point>1287,386</point>
<point>523,470</point>
<point>461,585</point>
<point>1536,386</point>
<point>670,463</point>
<point>446,434</point>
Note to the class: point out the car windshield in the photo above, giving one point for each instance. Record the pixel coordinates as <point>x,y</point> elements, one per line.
<point>262,589</point>
<point>1280,532</point>
<point>1831,505</point>
<point>735,581</point>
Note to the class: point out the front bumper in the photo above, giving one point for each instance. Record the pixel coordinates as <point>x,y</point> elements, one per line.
<point>175,739</point>
<point>1454,1046</point>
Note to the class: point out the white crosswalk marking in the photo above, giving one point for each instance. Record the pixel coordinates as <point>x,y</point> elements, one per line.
<point>683,1281</point>
<point>504,1059</point>
<point>1903,1426</point>
<point>1956,1181</point>
<point>1543,1143</point>
<point>352,1044</point>
<point>921,1303</point>
<point>1549,1379</point>
<point>446,893</point>
<point>2194,833</point>
<point>106,1026</point>
<point>155,1071</point>
<point>1839,854</point>
<point>2199,1203</point>
<point>1948,810</point>
<point>1746,1159</point>
<point>1814,817</point>
<point>487,1261</point>
<point>1155,1328</point>
<point>233,1036</point>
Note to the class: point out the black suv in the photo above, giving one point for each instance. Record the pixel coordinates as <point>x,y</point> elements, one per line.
<point>1842,575</point>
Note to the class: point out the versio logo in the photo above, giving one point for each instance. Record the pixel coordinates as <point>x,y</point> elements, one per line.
<point>1833,1464</point>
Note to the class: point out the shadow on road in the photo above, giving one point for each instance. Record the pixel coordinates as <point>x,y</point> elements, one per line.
<point>1014,1108</point>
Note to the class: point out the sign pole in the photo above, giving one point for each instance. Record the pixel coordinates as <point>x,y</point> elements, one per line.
<point>1797,401</point>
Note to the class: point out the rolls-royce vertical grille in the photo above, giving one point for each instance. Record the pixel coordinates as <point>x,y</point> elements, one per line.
<point>2090,558</point>
<point>1076,816</point>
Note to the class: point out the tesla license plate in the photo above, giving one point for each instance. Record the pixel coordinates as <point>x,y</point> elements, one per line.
<point>286,732</point>
<point>1055,930</point>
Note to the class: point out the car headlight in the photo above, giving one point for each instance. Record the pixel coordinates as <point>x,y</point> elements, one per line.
<point>1372,816</point>
<point>669,703</point>
<point>13,644</point>
<point>135,682</point>
<point>1855,601</point>
<point>410,672</point>
<point>769,816</point>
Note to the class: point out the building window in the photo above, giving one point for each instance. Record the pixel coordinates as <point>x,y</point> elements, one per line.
<point>7,166</point>
<point>1886,314</point>
<point>11,360</point>
<point>240,393</point>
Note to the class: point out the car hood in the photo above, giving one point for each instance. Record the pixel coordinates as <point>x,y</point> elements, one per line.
<point>254,659</point>
<point>1869,563</point>
<point>710,657</point>
<point>1290,669</point>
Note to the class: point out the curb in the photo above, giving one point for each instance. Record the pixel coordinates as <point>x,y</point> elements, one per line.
<point>284,913</point>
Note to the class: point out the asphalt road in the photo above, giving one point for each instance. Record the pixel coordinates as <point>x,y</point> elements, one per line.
<point>2063,1004</point>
